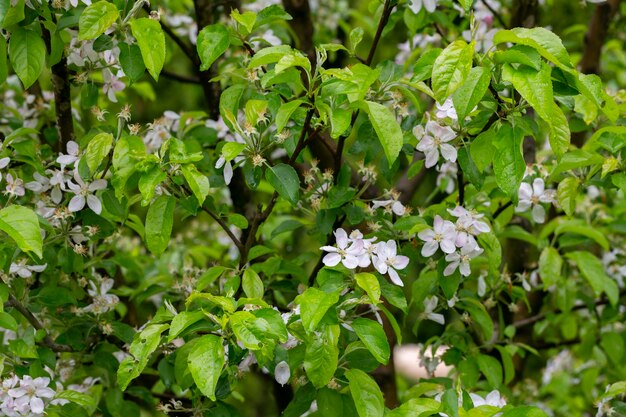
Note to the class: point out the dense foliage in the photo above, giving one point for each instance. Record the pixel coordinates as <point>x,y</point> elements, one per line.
<point>224,208</point>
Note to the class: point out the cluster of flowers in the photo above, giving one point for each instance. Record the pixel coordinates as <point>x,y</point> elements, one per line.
<point>25,396</point>
<point>457,240</point>
<point>354,251</point>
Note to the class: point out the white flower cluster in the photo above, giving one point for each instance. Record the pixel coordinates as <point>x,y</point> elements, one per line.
<point>102,301</point>
<point>354,251</point>
<point>457,240</point>
<point>25,396</point>
<point>433,140</point>
<point>533,196</point>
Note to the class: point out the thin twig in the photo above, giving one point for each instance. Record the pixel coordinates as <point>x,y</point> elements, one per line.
<point>47,340</point>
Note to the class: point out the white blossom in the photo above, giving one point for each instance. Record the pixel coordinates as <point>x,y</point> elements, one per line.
<point>102,301</point>
<point>532,197</point>
<point>446,110</point>
<point>346,252</point>
<point>4,162</point>
<point>14,187</point>
<point>387,260</point>
<point>72,155</point>
<point>493,398</point>
<point>25,271</point>
<point>85,192</point>
<point>429,5</point>
<point>28,397</point>
<point>434,140</point>
<point>461,260</point>
<point>430,304</point>
<point>396,206</point>
<point>442,235</point>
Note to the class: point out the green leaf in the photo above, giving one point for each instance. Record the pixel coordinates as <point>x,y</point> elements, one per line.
<point>213,41</point>
<point>366,394</point>
<point>231,150</point>
<point>284,114</point>
<point>313,306</point>
<point>542,40</point>
<point>285,181</point>
<point>11,13</point>
<point>369,283</point>
<point>96,19</point>
<point>567,192</point>
<point>415,407</point>
<point>140,350</point>
<point>387,129</point>
<point>519,54</point>
<point>271,14</point>
<point>508,163</point>
<point>4,69</point>
<point>22,225</point>
<point>159,222</point>
<point>524,411</point>
<point>268,55</point>
<point>252,284</point>
<point>577,158</point>
<point>183,320</point>
<point>592,269</point>
<point>292,59</point>
<point>82,399</point>
<point>246,19</point>
<point>373,337</point>
<point>451,68</point>
<point>151,41</point>
<point>206,361</point>
<point>550,265</point>
<point>560,134</point>
<point>469,94</point>
<point>534,86</point>
<point>583,229</point>
<point>7,321</point>
<point>492,369</point>
<point>131,61</point>
<point>97,150</point>
<point>198,182</point>
<point>249,329</point>
<point>480,316</point>
<point>482,148</point>
<point>27,52</point>
<point>320,361</point>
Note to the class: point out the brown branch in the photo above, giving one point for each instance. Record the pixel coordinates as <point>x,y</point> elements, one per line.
<point>47,340</point>
<point>180,77</point>
<point>302,25</point>
<point>384,18</point>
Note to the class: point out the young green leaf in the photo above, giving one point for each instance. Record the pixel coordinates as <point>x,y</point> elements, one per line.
<point>366,394</point>
<point>252,284</point>
<point>27,53</point>
<point>451,68</point>
<point>22,225</point>
<point>320,361</point>
<point>213,41</point>
<point>387,129</point>
<point>151,41</point>
<point>285,181</point>
<point>369,283</point>
<point>534,86</point>
<point>550,265</point>
<point>96,19</point>
<point>97,150</point>
<point>140,350</point>
<point>313,306</point>
<point>206,361</point>
<point>373,337</point>
<point>471,92</point>
<point>592,269</point>
<point>198,182</point>
<point>508,162</point>
<point>159,221</point>
<point>131,61</point>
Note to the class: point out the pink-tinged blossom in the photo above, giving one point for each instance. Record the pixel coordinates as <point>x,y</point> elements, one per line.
<point>30,394</point>
<point>14,187</point>
<point>112,84</point>
<point>442,235</point>
<point>85,192</point>
<point>533,197</point>
<point>387,261</point>
<point>4,162</point>
<point>461,260</point>
<point>434,140</point>
<point>346,252</point>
